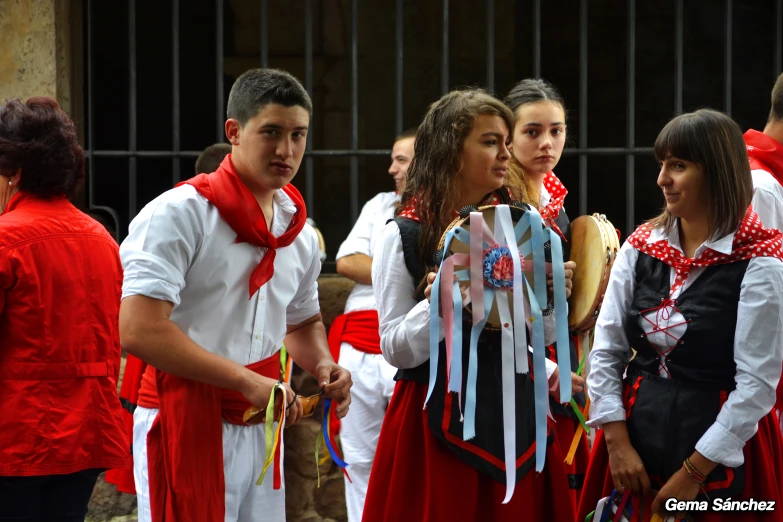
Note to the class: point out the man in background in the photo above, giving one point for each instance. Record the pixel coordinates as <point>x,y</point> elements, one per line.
<point>354,339</point>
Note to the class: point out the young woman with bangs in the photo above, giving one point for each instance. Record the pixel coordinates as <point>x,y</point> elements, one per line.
<point>696,292</point>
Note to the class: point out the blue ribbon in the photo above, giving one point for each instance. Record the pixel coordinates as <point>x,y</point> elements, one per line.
<point>540,386</point>
<point>327,441</point>
<point>455,379</point>
<point>469,427</point>
<point>435,322</point>
<point>561,316</point>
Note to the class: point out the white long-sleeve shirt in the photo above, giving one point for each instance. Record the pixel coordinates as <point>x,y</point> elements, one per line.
<point>180,250</point>
<point>767,199</point>
<point>758,346</point>
<point>362,239</point>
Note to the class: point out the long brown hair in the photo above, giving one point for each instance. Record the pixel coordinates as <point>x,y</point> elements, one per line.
<point>713,141</point>
<point>432,175</point>
<point>529,90</point>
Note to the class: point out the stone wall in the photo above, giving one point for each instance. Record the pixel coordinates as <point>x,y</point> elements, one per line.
<point>35,36</point>
<point>305,502</point>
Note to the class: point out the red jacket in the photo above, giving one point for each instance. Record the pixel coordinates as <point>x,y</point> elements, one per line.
<point>60,289</point>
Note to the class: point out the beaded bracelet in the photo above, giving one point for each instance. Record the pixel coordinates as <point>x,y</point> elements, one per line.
<point>698,475</point>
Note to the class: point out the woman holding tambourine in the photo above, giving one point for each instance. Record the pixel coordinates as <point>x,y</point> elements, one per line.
<point>449,461</point>
<point>537,144</point>
<point>696,292</point>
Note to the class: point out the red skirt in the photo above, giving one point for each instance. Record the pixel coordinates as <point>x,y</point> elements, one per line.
<point>565,428</point>
<point>763,477</point>
<point>415,478</point>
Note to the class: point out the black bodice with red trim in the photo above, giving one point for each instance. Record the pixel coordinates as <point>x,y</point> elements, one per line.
<point>667,412</point>
<point>704,356</point>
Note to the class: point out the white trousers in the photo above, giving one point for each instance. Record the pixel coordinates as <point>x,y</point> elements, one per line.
<point>373,384</point>
<point>243,458</point>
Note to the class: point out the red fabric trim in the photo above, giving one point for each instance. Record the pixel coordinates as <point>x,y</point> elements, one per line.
<point>632,396</point>
<point>724,396</point>
<point>475,449</point>
<point>239,208</point>
<point>186,471</point>
<point>722,484</point>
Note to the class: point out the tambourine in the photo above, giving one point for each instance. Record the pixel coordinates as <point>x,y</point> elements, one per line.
<point>497,266</point>
<point>497,257</point>
<point>594,246</point>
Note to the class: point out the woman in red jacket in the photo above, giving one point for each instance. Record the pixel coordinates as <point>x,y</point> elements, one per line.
<point>60,283</point>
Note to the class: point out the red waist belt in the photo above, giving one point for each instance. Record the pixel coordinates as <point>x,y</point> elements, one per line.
<point>233,404</point>
<point>19,371</point>
<point>359,329</point>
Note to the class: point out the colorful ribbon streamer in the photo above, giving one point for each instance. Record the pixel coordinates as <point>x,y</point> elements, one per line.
<point>327,438</point>
<point>274,436</point>
<point>446,295</point>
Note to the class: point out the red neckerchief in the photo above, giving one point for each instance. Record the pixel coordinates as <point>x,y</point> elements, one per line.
<point>557,193</point>
<point>409,210</point>
<point>751,240</point>
<point>239,208</point>
<point>765,153</point>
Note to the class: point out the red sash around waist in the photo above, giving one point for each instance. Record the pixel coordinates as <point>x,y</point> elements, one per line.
<point>359,329</point>
<point>233,404</point>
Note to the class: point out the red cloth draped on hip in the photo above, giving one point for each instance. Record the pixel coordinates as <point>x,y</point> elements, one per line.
<point>185,444</point>
<point>416,478</point>
<point>763,462</point>
<point>565,428</point>
<point>360,330</point>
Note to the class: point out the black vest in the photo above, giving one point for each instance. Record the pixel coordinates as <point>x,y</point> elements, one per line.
<point>443,410</point>
<point>667,417</point>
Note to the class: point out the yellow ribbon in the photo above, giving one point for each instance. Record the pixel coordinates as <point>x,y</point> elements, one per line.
<point>272,436</point>
<point>577,437</point>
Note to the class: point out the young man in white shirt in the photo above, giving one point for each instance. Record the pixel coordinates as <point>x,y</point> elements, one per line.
<point>765,150</point>
<point>354,336</point>
<point>217,272</point>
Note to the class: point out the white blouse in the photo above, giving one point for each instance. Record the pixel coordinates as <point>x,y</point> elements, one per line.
<point>404,322</point>
<point>758,347</point>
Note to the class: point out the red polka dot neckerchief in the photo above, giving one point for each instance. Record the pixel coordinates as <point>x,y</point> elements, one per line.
<point>557,193</point>
<point>751,240</point>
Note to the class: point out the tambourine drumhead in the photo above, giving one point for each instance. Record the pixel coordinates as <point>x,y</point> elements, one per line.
<point>594,244</point>
<point>458,247</point>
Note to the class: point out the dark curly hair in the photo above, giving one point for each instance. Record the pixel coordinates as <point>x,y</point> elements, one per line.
<point>432,175</point>
<point>39,138</point>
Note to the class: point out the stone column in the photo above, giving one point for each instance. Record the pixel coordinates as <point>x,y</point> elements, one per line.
<point>36,57</point>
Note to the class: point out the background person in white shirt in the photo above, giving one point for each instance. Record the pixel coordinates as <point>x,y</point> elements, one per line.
<point>765,151</point>
<point>354,336</point>
<point>207,305</point>
<point>697,293</point>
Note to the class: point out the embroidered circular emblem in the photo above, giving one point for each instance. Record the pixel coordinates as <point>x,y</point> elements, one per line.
<point>499,268</point>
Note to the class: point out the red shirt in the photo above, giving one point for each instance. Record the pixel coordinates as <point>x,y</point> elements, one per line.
<point>60,289</point>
